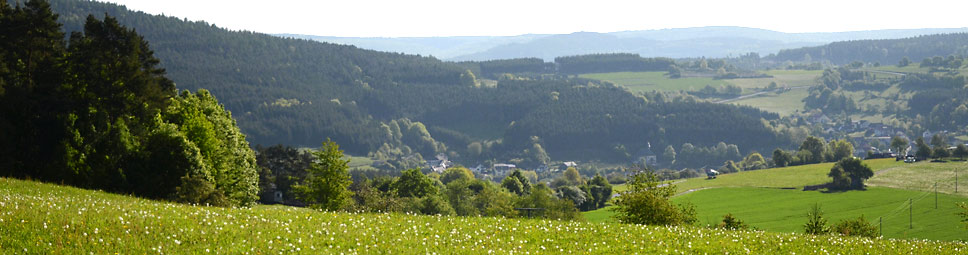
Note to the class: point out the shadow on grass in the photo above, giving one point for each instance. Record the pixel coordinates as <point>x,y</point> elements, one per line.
<point>828,188</point>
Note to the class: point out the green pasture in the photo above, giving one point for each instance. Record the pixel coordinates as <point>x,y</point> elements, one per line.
<point>37,218</point>
<point>924,175</point>
<point>785,103</point>
<point>784,210</point>
<point>655,81</point>
<point>784,177</point>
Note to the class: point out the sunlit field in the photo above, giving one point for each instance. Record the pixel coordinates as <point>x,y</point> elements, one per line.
<point>785,210</point>
<point>40,218</point>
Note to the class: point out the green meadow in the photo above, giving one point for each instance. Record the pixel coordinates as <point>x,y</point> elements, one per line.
<point>784,103</point>
<point>923,176</point>
<point>655,81</point>
<point>786,210</point>
<point>774,200</point>
<point>37,218</point>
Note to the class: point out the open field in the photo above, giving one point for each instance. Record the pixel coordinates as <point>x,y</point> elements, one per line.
<point>785,103</point>
<point>784,177</point>
<point>650,81</point>
<point>888,173</point>
<point>38,218</point>
<point>923,176</point>
<point>785,210</point>
<point>358,161</point>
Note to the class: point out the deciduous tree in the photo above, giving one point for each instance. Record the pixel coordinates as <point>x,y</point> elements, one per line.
<point>327,179</point>
<point>646,202</point>
<point>849,173</point>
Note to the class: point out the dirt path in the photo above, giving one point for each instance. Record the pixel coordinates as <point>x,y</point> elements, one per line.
<point>693,190</point>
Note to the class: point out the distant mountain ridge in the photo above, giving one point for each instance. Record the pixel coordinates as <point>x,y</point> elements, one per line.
<point>885,51</point>
<point>713,41</point>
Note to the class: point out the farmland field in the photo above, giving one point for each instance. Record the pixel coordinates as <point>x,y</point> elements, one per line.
<point>649,81</point>
<point>784,103</point>
<point>785,210</point>
<point>923,176</point>
<point>38,218</point>
<point>784,177</point>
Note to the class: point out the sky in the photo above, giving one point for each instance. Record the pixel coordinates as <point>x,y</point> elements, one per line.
<point>427,18</point>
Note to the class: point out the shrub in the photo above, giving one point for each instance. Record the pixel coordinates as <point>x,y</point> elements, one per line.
<point>731,222</point>
<point>648,203</point>
<point>816,224</point>
<point>855,227</point>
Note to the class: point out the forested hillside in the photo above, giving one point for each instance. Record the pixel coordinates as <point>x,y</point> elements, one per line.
<point>300,92</point>
<point>889,51</point>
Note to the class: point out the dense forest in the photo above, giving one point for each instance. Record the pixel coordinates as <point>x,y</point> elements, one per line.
<point>604,63</point>
<point>297,92</point>
<point>887,51</point>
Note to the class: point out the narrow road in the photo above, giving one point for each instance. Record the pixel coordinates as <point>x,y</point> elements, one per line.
<point>755,94</point>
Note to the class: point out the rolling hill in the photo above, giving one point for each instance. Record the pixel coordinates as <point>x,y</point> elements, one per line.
<point>714,41</point>
<point>299,92</point>
<point>884,51</point>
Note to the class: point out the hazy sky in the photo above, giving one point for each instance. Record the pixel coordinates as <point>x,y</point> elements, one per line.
<point>406,18</point>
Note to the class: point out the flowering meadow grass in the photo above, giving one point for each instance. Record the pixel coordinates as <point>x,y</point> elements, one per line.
<point>38,218</point>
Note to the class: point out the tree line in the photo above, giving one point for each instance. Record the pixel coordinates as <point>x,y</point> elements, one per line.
<point>814,150</point>
<point>321,179</point>
<point>879,51</point>
<point>96,111</point>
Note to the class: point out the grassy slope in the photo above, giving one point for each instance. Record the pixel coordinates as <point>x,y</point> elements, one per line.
<point>784,103</point>
<point>49,219</point>
<point>784,177</point>
<point>785,210</point>
<point>923,175</point>
<point>781,210</point>
<point>649,81</point>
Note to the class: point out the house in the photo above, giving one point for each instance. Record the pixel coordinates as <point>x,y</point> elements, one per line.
<point>819,118</point>
<point>566,165</point>
<point>479,169</point>
<point>879,129</point>
<point>542,168</point>
<point>646,156</point>
<point>503,169</point>
<point>440,164</point>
